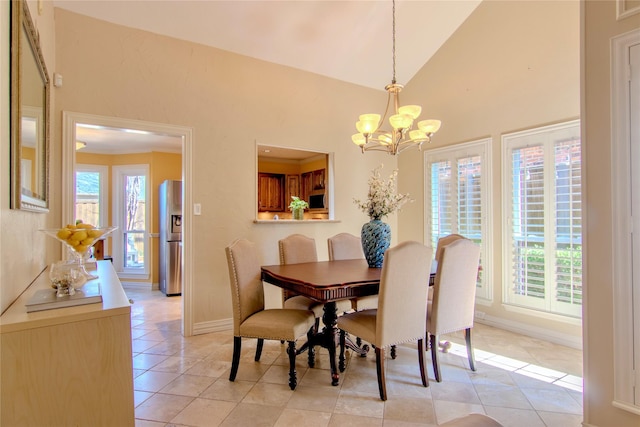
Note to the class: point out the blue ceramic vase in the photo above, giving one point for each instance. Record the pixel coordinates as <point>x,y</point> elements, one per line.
<point>376,238</point>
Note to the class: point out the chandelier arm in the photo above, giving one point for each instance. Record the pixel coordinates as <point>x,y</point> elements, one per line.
<point>376,147</point>
<point>396,101</point>
<point>386,111</point>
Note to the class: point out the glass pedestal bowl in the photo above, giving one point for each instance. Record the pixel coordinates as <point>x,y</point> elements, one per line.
<point>66,277</point>
<point>79,239</point>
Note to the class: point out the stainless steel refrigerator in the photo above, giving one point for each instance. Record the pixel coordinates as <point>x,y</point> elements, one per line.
<point>170,218</point>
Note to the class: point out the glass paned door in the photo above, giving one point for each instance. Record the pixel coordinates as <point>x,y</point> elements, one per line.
<point>131,215</point>
<point>135,224</point>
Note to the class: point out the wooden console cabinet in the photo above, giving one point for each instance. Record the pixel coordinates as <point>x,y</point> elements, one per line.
<point>68,366</point>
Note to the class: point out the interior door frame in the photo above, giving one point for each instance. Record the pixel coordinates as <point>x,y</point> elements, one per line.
<point>621,164</point>
<point>69,122</point>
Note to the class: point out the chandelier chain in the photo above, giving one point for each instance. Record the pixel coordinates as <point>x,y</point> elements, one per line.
<point>393,49</point>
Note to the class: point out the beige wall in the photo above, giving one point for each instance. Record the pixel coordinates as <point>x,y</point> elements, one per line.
<point>24,251</point>
<point>501,71</point>
<point>599,26</point>
<point>230,102</point>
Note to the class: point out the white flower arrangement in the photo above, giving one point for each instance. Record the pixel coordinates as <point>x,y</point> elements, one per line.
<point>383,198</point>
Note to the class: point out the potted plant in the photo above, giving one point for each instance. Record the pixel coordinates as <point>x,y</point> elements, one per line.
<point>297,207</point>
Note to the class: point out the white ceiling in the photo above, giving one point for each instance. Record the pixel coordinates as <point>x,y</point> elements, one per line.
<point>337,39</point>
<point>106,140</point>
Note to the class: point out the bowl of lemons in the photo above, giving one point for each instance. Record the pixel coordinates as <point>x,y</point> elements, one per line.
<point>79,238</point>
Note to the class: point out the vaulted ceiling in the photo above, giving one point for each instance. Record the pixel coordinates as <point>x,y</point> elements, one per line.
<point>348,40</point>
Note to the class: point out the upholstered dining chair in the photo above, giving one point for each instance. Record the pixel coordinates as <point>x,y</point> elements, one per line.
<point>297,249</point>
<point>473,420</point>
<point>442,242</point>
<point>348,246</point>
<point>251,319</point>
<point>402,307</point>
<point>453,305</point>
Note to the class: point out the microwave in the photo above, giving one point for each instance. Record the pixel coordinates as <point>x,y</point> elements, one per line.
<point>318,201</point>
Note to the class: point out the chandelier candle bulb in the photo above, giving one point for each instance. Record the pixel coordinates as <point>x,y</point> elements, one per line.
<point>358,139</point>
<point>400,121</point>
<point>429,126</point>
<point>368,123</point>
<point>410,110</point>
<point>417,134</point>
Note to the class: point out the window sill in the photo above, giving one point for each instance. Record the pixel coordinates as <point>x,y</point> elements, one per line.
<point>543,314</point>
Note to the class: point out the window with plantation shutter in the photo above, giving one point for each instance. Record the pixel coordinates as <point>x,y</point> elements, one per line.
<point>543,227</point>
<point>457,199</point>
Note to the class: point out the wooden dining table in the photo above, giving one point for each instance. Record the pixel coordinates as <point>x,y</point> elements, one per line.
<point>327,282</point>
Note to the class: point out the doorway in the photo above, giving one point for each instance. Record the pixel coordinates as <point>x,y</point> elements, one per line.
<point>146,134</point>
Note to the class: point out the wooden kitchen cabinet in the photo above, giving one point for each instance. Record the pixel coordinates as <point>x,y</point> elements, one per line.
<point>271,189</point>
<point>318,179</point>
<point>293,189</point>
<point>312,181</point>
<point>306,185</point>
<point>68,366</point>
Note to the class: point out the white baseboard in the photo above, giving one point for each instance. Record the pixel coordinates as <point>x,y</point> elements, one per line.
<point>142,286</point>
<point>212,326</point>
<point>532,331</point>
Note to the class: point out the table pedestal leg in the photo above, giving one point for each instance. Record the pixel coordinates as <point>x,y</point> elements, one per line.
<point>329,338</point>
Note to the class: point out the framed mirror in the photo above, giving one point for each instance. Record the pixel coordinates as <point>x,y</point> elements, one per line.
<point>283,173</point>
<point>29,115</point>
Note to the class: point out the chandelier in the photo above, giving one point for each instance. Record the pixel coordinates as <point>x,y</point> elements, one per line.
<point>402,135</point>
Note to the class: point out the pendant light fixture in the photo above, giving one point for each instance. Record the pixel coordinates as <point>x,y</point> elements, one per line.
<point>372,137</point>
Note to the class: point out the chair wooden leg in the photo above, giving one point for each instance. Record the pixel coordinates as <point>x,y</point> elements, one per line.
<point>434,358</point>
<point>382,384</point>
<point>343,342</point>
<point>291,350</point>
<point>235,361</point>
<point>470,355</point>
<point>312,352</point>
<point>423,374</point>
<point>259,349</point>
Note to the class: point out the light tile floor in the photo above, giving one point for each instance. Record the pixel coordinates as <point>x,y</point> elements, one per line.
<point>178,381</point>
